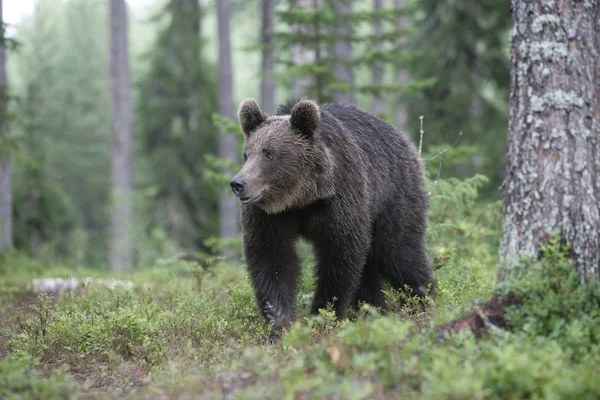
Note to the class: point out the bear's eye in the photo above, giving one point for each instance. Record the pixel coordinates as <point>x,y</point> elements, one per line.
<point>268,155</point>
<point>245,156</point>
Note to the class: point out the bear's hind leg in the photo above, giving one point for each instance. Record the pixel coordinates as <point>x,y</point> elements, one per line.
<point>402,257</point>
<point>371,286</point>
<point>412,268</point>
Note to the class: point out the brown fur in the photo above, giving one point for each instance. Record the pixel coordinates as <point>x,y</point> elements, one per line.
<point>348,183</point>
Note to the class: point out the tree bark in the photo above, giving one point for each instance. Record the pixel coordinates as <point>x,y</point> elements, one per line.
<point>378,100</point>
<point>552,183</point>
<point>228,220</point>
<point>5,168</point>
<point>302,54</point>
<point>121,255</point>
<point>401,73</point>
<point>342,52</point>
<point>267,84</point>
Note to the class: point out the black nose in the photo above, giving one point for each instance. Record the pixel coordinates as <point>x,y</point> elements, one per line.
<point>237,185</point>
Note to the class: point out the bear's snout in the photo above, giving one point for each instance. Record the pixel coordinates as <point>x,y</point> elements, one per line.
<point>237,186</point>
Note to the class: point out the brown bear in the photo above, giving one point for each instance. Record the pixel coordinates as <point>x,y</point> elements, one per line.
<point>347,182</point>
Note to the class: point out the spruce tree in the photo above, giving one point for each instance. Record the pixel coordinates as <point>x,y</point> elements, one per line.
<point>465,46</point>
<point>177,100</point>
<point>322,30</point>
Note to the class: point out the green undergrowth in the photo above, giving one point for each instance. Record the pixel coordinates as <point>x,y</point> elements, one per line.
<point>169,340</point>
<point>20,380</point>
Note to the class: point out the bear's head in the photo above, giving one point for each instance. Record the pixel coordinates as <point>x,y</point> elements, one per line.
<point>285,165</point>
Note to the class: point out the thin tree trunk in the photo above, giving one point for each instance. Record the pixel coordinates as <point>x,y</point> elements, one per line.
<point>342,51</point>
<point>302,54</point>
<point>552,183</point>
<point>5,169</point>
<point>228,221</point>
<point>401,77</point>
<point>121,255</point>
<point>267,84</point>
<point>378,100</point>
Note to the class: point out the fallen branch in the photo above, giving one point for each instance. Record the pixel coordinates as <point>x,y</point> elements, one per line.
<point>64,285</point>
<point>489,317</point>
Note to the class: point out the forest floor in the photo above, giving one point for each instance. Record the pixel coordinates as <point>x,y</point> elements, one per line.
<point>184,332</point>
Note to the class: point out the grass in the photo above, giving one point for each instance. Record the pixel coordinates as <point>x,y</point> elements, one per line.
<point>180,332</point>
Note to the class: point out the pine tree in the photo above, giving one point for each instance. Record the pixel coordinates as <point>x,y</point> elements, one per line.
<point>121,255</point>
<point>331,36</point>
<point>378,106</point>
<point>267,84</point>
<point>401,76</point>
<point>342,51</point>
<point>5,166</point>
<point>175,118</point>
<point>552,183</point>
<point>228,149</point>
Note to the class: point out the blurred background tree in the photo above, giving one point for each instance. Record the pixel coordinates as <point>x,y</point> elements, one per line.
<point>177,99</point>
<point>401,59</point>
<point>121,193</point>
<point>6,234</point>
<point>464,45</point>
<point>228,215</point>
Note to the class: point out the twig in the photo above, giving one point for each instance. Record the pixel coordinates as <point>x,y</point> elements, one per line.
<point>441,153</point>
<point>437,178</point>
<point>421,132</point>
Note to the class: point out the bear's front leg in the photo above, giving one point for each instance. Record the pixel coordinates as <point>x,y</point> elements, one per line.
<point>272,264</point>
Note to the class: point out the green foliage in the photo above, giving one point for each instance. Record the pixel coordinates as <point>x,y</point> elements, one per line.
<point>177,100</point>
<point>555,304</point>
<point>514,368</point>
<point>218,172</point>
<point>92,327</point>
<point>315,30</point>
<point>197,330</point>
<point>19,380</point>
<point>460,223</point>
<point>45,216</point>
<point>118,325</point>
<point>463,233</point>
<point>465,45</point>
<point>62,120</point>
<point>191,328</point>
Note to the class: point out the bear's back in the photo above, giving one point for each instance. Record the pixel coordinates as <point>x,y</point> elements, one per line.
<point>390,161</point>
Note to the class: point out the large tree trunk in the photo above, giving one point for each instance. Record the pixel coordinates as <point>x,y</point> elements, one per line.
<point>121,255</point>
<point>228,220</point>
<point>5,170</point>
<point>378,100</point>
<point>267,84</point>
<point>402,77</point>
<point>342,52</point>
<point>552,183</point>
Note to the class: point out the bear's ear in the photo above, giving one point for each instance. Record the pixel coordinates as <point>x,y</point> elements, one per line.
<point>250,116</point>
<point>305,117</point>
